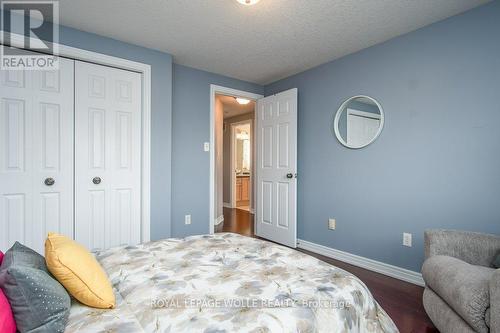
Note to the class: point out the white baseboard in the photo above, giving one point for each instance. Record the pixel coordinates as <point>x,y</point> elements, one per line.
<point>227,205</point>
<point>370,264</point>
<point>219,220</point>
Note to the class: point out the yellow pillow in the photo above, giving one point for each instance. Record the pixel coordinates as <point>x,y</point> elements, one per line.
<point>78,271</point>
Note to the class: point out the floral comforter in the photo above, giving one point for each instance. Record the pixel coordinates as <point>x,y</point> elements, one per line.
<point>228,283</point>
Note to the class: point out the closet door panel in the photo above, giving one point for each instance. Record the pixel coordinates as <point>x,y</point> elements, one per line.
<point>108,156</point>
<point>36,115</point>
<point>16,122</point>
<point>53,126</point>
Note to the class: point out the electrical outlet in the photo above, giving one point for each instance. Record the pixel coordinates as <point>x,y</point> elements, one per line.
<point>332,224</point>
<point>406,239</point>
<point>187,219</point>
<point>206,146</point>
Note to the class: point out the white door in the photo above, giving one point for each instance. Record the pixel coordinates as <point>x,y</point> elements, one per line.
<point>36,155</point>
<point>362,127</point>
<point>107,156</point>
<point>276,134</point>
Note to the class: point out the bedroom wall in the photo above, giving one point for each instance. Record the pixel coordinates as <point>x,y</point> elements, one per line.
<point>436,163</point>
<point>190,129</point>
<point>161,115</point>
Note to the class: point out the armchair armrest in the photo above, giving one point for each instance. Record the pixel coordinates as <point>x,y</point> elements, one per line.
<point>495,302</point>
<point>471,247</point>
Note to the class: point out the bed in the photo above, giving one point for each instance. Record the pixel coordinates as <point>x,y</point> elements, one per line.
<point>228,283</point>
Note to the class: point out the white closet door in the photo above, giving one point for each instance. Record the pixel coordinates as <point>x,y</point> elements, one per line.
<point>107,156</point>
<point>36,143</point>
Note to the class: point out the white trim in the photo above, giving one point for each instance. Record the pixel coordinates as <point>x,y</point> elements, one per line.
<point>339,113</point>
<point>227,205</point>
<point>145,71</point>
<point>215,89</point>
<point>219,220</point>
<point>232,161</point>
<point>370,264</point>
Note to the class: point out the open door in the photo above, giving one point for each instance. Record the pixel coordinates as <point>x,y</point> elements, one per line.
<point>276,134</point>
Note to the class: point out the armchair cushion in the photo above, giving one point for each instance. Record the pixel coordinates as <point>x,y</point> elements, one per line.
<point>472,247</point>
<point>495,302</point>
<point>464,287</point>
<point>496,262</point>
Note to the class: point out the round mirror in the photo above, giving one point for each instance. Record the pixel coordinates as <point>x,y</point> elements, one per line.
<point>358,122</point>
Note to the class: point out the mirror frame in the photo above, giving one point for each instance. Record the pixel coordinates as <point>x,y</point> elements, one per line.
<point>339,113</point>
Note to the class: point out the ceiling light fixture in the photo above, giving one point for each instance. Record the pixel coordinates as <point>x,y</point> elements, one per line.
<point>243,135</point>
<point>242,101</point>
<point>248,2</point>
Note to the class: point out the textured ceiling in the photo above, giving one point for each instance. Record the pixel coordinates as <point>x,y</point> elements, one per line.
<point>261,43</point>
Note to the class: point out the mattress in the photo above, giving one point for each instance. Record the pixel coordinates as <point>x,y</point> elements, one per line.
<point>228,283</point>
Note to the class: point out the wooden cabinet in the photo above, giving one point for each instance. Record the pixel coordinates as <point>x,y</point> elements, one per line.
<point>245,182</point>
<point>242,190</point>
<point>238,189</point>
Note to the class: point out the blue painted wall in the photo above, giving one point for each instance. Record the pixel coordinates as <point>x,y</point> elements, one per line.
<point>437,161</point>
<point>161,113</point>
<point>191,128</point>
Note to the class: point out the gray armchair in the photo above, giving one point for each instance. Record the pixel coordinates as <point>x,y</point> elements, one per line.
<point>462,290</point>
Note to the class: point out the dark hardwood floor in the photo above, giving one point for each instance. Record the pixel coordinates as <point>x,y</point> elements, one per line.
<point>238,221</point>
<point>401,300</point>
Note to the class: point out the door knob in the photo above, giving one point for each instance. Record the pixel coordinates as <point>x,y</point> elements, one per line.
<point>49,181</point>
<point>96,180</point>
<point>289,175</point>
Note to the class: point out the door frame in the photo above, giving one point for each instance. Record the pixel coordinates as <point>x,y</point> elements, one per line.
<point>17,40</point>
<point>220,90</point>
<point>233,161</point>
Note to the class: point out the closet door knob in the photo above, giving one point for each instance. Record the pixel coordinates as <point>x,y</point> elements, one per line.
<point>289,175</point>
<point>96,180</point>
<point>49,181</point>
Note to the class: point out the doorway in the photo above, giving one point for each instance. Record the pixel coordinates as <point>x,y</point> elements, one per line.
<point>217,130</point>
<point>234,163</point>
<point>274,166</point>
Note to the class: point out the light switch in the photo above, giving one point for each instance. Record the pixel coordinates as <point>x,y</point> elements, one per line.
<point>406,239</point>
<point>206,146</point>
<point>332,224</point>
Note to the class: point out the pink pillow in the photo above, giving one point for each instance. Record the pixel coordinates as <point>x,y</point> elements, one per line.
<point>7,323</point>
